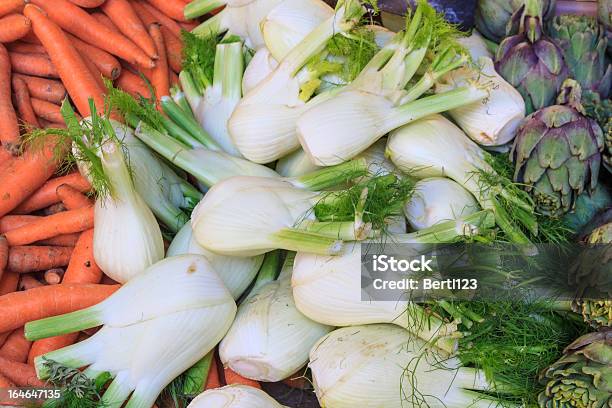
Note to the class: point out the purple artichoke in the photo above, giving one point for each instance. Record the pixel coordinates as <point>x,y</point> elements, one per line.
<point>530,61</point>
<point>557,153</point>
<point>492,16</point>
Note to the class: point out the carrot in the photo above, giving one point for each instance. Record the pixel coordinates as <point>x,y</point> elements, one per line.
<point>153,15</point>
<point>5,383</point>
<point>72,198</point>
<point>171,8</point>
<point>28,282</point>
<point>231,377</point>
<point>16,347</point>
<point>107,64</point>
<point>213,380</point>
<point>77,78</point>
<point>132,84</point>
<point>46,89</point>
<point>51,125</point>
<point>18,308</point>
<point>53,276</point>
<point>13,27</point>
<point>103,19</point>
<point>61,223</point>
<point>9,282</point>
<point>23,103</point>
<point>159,74</point>
<point>26,48</point>
<point>4,251</point>
<point>9,127</point>
<point>11,6</point>
<point>47,110</point>
<point>88,3</point>
<point>95,72</point>
<point>81,269</point>
<point>174,50</point>
<point>67,240</point>
<point>25,259</point>
<point>124,17</point>
<point>33,64</point>
<point>78,22</point>
<point>47,194</point>
<point>188,25</point>
<point>23,375</point>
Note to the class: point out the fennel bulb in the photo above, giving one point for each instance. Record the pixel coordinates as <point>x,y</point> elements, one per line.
<point>438,199</point>
<point>435,147</point>
<point>237,273</point>
<point>327,289</point>
<point>476,45</point>
<point>295,164</point>
<point>263,123</point>
<point>234,396</point>
<point>495,121</point>
<point>154,328</point>
<point>378,163</point>
<point>127,238</point>
<point>380,365</point>
<point>261,65</point>
<point>270,339</point>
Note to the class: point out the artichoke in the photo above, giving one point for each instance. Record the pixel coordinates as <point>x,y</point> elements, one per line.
<point>492,16</point>
<point>582,378</point>
<point>583,43</point>
<point>530,61</point>
<point>604,14</point>
<point>556,153</point>
<point>601,111</point>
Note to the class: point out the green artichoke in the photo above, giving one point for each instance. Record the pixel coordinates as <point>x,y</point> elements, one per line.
<point>601,111</point>
<point>530,61</point>
<point>492,16</point>
<point>604,15</point>
<point>583,43</point>
<point>582,378</point>
<point>556,153</point>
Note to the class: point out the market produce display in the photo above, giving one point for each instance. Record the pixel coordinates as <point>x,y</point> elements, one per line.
<point>190,191</point>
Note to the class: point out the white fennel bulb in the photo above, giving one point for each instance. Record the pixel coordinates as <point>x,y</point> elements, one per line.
<point>438,199</point>
<point>382,35</point>
<point>290,21</point>
<point>380,365</point>
<point>234,396</point>
<point>261,65</point>
<point>237,273</point>
<point>263,123</point>
<point>476,45</point>
<point>495,120</point>
<point>295,164</point>
<point>127,237</point>
<point>270,339</point>
<point>180,303</point>
<point>378,163</point>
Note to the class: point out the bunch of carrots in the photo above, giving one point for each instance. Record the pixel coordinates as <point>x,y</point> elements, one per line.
<point>50,50</point>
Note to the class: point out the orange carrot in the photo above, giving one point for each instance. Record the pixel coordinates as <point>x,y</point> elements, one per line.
<point>77,78</point>
<point>9,127</point>
<point>47,194</point>
<point>72,198</point>
<point>46,89</point>
<point>26,48</point>
<point>33,64</point>
<point>68,240</point>
<point>51,125</point>
<point>88,3</point>
<point>171,8</point>
<point>47,110</point>
<point>23,375</point>
<point>159,74</point>
<point>78,22</point>
<point>107,64</point>
<point>231,377</point>
<point>23,103</point>
<point>25,259</point>
<point>95,72</point>
<point>174,50</point>
<point>53,276</point>
<point>13,27</point>
<point>5,383</point>
<point>16,347</point>
<point>153,15</point>
<point>213,380</point>
<point>81,269</point>
<point>124,17</point>
<point>132,84</point>
<point>28,282</point>
<point>61,223</point>
<point>11,6</point>
<point>4,251</point>
<point>103,18</point>
<point>18,308</point>
<point>24,175</point>
<point>9,282</point>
